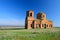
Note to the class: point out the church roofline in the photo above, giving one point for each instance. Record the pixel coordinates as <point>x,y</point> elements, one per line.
<point>40,13</point>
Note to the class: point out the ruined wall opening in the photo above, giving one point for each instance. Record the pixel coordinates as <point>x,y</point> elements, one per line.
<point>37,25</point>
<point>47,25</point>
<point>44,25</point>
<point>30,14</point>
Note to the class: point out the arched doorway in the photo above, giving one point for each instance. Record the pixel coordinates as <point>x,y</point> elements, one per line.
<point>44,25</point>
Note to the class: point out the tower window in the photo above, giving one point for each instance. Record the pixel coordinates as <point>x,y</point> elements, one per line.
<point>30,14</point>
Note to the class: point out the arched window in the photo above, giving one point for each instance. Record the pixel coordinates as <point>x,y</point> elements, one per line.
<point>47,25</point>
<point>31,25</point>
<point>51,25</point>
<point>30,14</point>
<point>42,25</point>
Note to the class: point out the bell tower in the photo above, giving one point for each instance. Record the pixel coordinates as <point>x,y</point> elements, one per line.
<point>29,19</point>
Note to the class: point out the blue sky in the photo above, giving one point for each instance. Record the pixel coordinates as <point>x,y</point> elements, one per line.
<point>13,12</point>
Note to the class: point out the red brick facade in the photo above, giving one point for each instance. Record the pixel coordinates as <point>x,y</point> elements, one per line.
<point>39,22</point>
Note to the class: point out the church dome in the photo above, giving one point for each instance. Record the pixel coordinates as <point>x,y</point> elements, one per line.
<point>41,15</point>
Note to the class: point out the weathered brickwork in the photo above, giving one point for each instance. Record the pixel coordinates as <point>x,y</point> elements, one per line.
<point>39,22</point>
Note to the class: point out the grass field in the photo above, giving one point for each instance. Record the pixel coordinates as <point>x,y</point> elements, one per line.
<point>30,34</point>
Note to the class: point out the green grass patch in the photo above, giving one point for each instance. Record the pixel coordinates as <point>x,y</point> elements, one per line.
<point>30,34</point>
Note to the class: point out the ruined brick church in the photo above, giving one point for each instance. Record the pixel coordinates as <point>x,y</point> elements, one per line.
<point>39,22</point>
